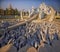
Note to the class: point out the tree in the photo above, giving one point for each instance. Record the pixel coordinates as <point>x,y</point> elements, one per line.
<point>1,12</point>
<point>6,12</point>
<point>16,12</point>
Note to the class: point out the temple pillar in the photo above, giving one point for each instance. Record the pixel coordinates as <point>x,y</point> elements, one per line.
<point>21,15</point>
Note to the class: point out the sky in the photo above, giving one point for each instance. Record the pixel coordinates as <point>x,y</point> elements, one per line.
<point>27,4</point>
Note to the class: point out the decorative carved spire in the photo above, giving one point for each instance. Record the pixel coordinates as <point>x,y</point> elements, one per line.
<point>32,8</point>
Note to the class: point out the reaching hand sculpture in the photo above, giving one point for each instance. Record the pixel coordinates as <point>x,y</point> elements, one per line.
<point>48,10</point>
